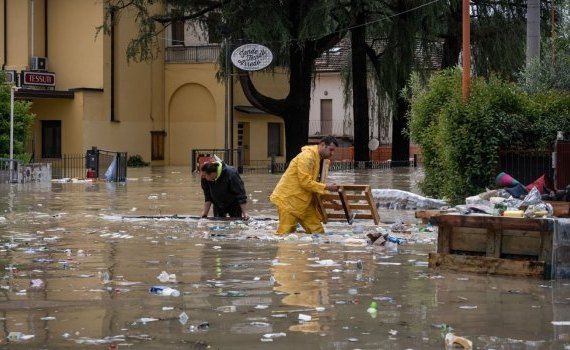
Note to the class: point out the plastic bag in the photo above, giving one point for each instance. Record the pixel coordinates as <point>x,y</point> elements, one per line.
<point>532,198</point>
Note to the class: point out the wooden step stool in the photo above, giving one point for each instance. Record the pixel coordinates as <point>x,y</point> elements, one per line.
<point>347,204</point>
<point>341,205</point>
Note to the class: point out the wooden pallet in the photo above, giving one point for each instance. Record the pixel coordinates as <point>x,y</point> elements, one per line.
<point>494,245</point>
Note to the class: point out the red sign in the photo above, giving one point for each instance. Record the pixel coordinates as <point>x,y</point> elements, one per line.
<point>39,79</point>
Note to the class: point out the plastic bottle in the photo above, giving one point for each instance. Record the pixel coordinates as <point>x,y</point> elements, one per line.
<point>163,290</point>
<point>394,239</point>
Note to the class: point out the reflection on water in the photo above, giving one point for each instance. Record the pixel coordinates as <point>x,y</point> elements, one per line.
<point>70,237</point>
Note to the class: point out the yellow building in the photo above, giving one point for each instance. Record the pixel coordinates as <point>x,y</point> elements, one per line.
<point>87,94</point>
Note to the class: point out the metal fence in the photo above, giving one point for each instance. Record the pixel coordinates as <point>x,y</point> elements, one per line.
<point>195,54</point>
<point>5,170</point>
<point>76,165</point>
<point>526,165</point>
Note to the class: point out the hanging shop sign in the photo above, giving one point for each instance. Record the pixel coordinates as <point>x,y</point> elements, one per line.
<point>252,57</point>
<point>11,77</point>
<point>38,78</point>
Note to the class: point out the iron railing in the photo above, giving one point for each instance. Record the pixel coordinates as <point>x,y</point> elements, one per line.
<point>526,165</point>
<point>193,54</point>
<point>76,165</point>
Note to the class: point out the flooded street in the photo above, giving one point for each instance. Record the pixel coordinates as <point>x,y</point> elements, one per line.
<point>77,275</point>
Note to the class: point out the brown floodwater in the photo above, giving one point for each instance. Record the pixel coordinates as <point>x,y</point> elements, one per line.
<point>96,270</point>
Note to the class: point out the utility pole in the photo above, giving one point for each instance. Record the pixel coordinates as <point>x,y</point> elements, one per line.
<point>466,51</point>
<point>13,89</point>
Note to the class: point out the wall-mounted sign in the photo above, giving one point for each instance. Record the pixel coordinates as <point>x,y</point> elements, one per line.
<point>38,78</point>
<point>252,57</point>
<point>11,77</point>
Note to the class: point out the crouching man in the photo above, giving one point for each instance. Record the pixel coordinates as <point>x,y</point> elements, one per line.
<point>294,195</point>
<point>224,188</point>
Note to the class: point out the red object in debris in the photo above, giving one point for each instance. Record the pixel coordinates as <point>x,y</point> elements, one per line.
<point>538,183</point>
<point>90,173</point>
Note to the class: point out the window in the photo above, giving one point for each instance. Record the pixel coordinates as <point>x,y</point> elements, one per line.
<point>51,138</point>
<point>178,33</point>
<point>274,139</point>
<point>157,144</point>
<point>326,117</point>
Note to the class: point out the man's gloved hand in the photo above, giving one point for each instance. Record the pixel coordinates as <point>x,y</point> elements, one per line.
<point>332,187</point>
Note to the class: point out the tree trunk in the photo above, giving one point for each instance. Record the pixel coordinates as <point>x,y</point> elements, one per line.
<point>400,142</point>
<point>452,41</point>
<point>298,102</point>
<point>360,91</point>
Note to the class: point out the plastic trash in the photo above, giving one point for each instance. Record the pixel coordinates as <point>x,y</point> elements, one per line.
<point>394,239</point>
<point>36,283</point>
<point>532,198</point>
<point>165,291</point>
<point>166,277</point>
<point>183,317</point>
<point>226,308</point>
<point>373,309</point>
<point>451,339</point>
<point>274,335</point>
<point>105,278</point>
<point>15,336</point>
<point>304,318</point>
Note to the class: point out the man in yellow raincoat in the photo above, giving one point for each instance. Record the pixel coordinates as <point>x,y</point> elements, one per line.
<point>294,194</point>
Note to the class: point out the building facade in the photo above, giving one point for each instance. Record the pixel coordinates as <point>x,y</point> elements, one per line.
<point>86,93</point>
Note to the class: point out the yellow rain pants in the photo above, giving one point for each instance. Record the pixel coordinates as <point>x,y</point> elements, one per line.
<point>294,194</point>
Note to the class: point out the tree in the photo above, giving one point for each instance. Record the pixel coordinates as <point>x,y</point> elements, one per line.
<point>297,32</point>
<point>23,122</point>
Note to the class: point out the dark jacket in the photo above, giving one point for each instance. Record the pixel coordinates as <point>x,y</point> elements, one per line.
<point>227,190</point>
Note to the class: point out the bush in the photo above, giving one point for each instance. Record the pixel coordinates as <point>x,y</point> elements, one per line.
<point>460,142</point>
<point>23,122</point>
<point>136,161</point>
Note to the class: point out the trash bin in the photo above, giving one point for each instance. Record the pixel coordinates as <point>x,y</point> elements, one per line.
<point>92,160</point>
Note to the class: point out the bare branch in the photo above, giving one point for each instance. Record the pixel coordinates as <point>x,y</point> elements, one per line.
<point>267,104</point>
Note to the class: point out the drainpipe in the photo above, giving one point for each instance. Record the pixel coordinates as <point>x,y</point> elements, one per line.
<point>46,28</point>
<point>5,35</point>
<point>113,66</point>
<point>32,23</point>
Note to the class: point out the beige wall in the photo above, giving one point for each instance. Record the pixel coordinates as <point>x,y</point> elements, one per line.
<point>18,34</point>
<point>69,111</point>
<point>258,136</point>
<point>75,54</point>
<point>195,110</point>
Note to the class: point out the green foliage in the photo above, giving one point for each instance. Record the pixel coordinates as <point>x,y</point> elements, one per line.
<point>460,141</point>
<point>552,71</point>
<point>137,161</point>
<point>23,122</point>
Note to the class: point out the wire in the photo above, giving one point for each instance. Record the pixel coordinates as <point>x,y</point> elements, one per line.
<point>343,29</point>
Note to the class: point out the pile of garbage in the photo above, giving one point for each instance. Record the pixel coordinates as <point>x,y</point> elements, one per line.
<point>501,203</point>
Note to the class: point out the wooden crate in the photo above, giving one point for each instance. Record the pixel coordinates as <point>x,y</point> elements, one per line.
<point>561,209</point>
<point>494,245</point>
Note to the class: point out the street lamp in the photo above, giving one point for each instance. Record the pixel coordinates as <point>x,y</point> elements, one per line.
<point>13,89</point>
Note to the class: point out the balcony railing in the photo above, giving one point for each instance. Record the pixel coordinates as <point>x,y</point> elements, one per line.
<point>193,54</point>
<point>335,128</point>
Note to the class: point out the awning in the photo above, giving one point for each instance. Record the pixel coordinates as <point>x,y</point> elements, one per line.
<point>30,93</point>
<point>249,110</point>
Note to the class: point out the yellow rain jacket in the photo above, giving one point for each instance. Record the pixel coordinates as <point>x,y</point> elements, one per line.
<point>294,192</point>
